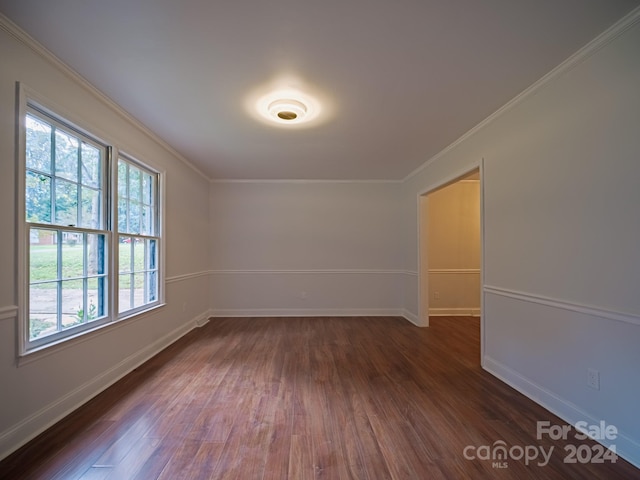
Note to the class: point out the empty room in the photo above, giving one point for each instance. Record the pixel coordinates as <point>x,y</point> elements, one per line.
<point>319,240</point>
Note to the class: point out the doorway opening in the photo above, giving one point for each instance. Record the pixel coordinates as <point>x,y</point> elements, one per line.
<point>450,249</point>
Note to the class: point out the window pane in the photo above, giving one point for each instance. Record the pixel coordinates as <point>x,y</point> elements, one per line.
<point>43,256</point>
<point>66,156</point>
<point>124,295</point>
<point>38,198</point>
<point>72,255</point>
<point>122,215</point>
<point>66,203</point>
<point>138,292</point>
<point>135,187</point>
<point>134,217</point>
<point>43,308</point>
<point>90,166</point>
<point>38,145</point>
<point>124,261</point>
<point>72,303</point>
<point>138,255</point>
<point>146,228</point>
<point>96,295</point>
<point>90,208</point>
<point>122,179</point>
<point>96,254</point>
<point>152,258</point>
<point>125,281</point>
<point>152,286</point>
<point>147,189</point>
<point>103,296</point>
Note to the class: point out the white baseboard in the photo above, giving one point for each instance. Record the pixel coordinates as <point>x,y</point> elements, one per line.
<point>308,312</point>
<point>626,447</point>
<point>203,319</point>
<point>334,312</point>
<point>32,426</point>
<point>412,317</point>
<point>351,312</point>
<point>455,312</point>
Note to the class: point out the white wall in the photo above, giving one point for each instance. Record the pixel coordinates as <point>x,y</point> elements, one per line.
<point>35,394</point>
<point>561,263</point>
<point>314,248</point>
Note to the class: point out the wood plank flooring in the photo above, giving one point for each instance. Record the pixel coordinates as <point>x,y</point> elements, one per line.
<point>304,398</point>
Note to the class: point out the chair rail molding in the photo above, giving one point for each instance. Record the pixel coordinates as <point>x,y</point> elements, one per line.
<point>563,304</point>
<point>9,312</point>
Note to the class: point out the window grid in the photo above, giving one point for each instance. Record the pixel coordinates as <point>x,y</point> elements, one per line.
<point>55,180</point>
<point>138,241</point>
<point>60,304</point>
<point>87,310</point>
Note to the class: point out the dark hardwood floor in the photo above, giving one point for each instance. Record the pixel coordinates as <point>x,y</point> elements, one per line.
<point>305,398</point>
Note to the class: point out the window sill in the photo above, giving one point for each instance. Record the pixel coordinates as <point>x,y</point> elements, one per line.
<point>43,351</point>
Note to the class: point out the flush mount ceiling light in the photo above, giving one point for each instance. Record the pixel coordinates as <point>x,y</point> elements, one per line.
<point>288,107</point>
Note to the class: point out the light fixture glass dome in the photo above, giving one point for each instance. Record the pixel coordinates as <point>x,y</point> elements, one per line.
<point>288,107</point>
<point>288,110</point>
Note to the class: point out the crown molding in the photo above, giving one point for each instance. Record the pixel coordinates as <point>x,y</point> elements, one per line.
<point>578,57</point>
<point>23,37</point>
<point>582,54</point>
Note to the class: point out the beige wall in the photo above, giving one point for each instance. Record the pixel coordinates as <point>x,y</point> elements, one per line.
<point>453,249</point>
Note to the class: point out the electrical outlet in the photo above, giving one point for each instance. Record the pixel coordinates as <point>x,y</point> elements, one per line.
<point>593,378</point>
<point>436,295</point>
<point>303,295</point>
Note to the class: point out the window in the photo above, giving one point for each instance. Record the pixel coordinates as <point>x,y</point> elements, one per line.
<point>65,213</point>
<point>137,236</point>
<point>84,218</point>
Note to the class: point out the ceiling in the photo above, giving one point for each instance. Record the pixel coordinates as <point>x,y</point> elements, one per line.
<point>397,81</point>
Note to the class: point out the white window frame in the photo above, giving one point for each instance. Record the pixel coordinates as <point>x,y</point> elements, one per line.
<point>29,350</point>
<point>157,232</point>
